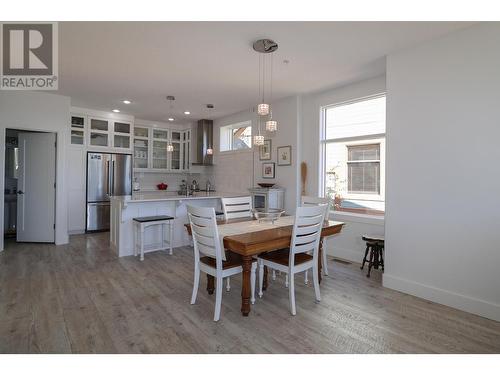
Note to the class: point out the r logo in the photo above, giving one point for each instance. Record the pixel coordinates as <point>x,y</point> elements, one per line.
<point>27,49</point>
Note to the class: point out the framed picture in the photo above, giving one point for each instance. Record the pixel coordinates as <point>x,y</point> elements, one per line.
<point>268,170</point>
<point>265,150</point>
<point>284,155</point>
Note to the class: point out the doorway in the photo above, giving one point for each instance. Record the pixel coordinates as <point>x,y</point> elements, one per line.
<point>30,176</point>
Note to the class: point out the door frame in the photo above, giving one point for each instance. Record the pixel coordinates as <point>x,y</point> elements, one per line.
<point>61,235</point>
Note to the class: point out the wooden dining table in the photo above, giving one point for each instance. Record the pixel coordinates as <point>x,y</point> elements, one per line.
<point>252,243</point>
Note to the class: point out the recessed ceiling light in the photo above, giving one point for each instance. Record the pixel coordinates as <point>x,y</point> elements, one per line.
<point>170,119</point>
<point>126,101</point>
<point>187,112</point>
<point>116,110</point>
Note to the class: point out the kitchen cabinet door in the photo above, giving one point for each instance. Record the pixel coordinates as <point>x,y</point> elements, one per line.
<point>175,155</point>
<point>141,148</point>
<point>121,135</point>
<point>99,133</point>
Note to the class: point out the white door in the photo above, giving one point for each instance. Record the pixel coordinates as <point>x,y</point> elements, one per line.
<point>36,187</point>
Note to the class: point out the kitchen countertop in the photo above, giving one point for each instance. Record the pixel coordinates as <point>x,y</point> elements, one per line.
<point>159,196</point>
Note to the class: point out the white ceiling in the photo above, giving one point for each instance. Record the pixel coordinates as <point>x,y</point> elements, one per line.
<point>213,62</point>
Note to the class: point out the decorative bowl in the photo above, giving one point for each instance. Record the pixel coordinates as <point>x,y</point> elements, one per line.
<point>265,185</point>
<point>271,214</point>
<point>162,186</point>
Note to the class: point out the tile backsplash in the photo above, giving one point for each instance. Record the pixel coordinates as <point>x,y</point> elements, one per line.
<point>148,180</point>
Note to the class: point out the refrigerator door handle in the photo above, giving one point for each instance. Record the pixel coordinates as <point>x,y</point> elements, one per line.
<point>108,187</point>
<point>112,177</point>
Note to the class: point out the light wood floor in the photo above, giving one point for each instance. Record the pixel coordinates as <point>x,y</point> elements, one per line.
<point>80,298</point>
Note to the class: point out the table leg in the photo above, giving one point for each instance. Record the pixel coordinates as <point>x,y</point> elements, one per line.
<point>245,288</point>
<point>320,256</point>
<point>264,282</point>
<point>210,284</point>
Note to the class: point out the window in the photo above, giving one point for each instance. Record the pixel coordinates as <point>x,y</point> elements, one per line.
<point>353,155</point>
<point>236,136</point>
<point>363,169</point>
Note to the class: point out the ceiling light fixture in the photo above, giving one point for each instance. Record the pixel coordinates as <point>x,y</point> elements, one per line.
<point>171,119</point>
<point>116,110</point>
<point>126,101</point>
<point>264,47</point>
<point>187,112</point>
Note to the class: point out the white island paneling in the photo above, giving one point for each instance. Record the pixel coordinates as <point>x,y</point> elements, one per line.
<point>124,209</point>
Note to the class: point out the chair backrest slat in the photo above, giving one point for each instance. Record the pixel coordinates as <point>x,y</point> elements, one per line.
<point>308,201</point>
<point>307,231</point>
<point>205,234</point>
<point>237,207</point>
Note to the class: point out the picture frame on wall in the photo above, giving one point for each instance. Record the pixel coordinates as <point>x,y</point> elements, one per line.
<point>265,150</point>
<point>284,155</point>
<point>268,170</point>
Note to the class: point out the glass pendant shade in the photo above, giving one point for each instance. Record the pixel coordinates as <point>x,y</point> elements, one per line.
<point>210,151</point>
<point>258,140</point>
<point>263,109</point>
<point>271,125</point>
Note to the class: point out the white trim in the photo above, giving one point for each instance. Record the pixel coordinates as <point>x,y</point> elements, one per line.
<point>357,218</point>
<point>104,114</point>
<point>445,297</point>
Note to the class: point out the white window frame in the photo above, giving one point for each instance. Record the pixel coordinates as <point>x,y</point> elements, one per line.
<point>351,141</point>
<point>242,124</point>
<point>380,139</point>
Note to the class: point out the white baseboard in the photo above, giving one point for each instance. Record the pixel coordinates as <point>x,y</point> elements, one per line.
<point>78,231</point>
<point>445,297</point>
<point>346,254</point>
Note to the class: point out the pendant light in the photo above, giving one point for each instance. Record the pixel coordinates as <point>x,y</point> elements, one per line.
<point>271,125</point>
<point>264,47</point>
<point>170,146</point>
<point>210,150</point>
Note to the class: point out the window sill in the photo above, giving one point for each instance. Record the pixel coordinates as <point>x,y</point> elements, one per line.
<point>357,218</point>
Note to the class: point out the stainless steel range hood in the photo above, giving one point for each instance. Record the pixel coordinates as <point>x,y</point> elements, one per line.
<point>204,141</point>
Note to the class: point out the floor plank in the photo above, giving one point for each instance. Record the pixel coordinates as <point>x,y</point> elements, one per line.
<point>81,298</point>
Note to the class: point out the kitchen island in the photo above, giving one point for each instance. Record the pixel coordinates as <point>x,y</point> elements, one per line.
<point>140,204</point>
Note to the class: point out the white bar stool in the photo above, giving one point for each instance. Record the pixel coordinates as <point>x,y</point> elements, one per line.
<point>140,225</point>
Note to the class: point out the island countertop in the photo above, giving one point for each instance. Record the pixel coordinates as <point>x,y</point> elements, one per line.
<point>159,196</point>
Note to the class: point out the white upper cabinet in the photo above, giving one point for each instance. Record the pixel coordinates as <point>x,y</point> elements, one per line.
<point>151,149</point>
<point>141,148</point>
<point>78,129</point>
<point>122,132</point>
<point>175,155</point>
<point>160,153</point>
<point>107,133</point>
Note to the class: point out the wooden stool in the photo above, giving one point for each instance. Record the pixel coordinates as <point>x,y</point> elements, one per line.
<point>140,225</point>
<point>375,250</point>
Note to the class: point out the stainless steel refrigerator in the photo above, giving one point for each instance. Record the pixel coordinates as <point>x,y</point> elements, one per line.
<point>107,175</point>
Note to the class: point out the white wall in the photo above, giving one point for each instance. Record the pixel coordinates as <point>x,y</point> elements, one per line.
<point>234,171</point>
<point>443,175</point>
<point>42,112</point>
<point>348,244</point>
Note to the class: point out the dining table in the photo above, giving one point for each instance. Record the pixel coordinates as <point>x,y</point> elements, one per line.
<point>248,237</point>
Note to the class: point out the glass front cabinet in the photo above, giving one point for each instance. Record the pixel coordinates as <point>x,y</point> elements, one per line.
<point>107,133</point>
<point>78,129</point>
<point>151,149</point>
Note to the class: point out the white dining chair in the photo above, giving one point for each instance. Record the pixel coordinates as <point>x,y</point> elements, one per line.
<point>315,201</point>
<point>237,207</point>
<point>209,256</point>
<point>305,239</point>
